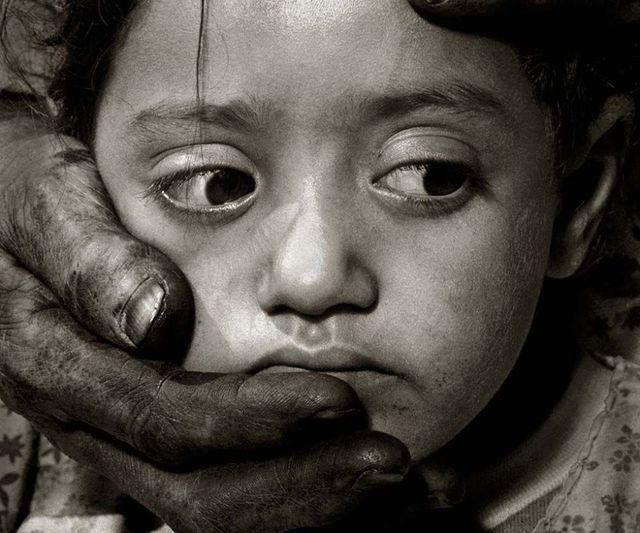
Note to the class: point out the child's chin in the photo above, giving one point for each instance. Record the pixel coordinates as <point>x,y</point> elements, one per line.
<point>394,407</point>
<point>419,438</point>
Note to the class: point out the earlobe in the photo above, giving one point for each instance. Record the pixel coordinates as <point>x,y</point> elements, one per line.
<point>587,189</point>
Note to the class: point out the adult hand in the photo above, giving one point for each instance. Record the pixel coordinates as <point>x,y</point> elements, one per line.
<point>626,10</point>
<point>313,487</point>
<point>78,295</point>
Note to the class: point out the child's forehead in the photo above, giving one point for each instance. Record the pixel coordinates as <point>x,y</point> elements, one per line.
<point>289,27</point>
<point>303,16</point>
<point>306,48</point>
<point>325,80</point>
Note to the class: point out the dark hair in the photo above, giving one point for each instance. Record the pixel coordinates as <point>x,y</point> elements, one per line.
<point>573,65</point>
<point>82,35</point>
<point>89,34</point>
<point>573,61</point>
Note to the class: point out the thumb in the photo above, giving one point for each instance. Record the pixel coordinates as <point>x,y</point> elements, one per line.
<point>59,222</point>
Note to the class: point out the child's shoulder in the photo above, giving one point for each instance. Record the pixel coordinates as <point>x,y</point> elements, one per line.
<point>602,490</point>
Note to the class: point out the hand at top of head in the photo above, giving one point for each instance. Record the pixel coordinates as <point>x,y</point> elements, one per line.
<point>626,10</point>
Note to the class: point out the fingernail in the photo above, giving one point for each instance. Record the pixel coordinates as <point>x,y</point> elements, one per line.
<point>372,479</point>
<point>144,305</point>
<point>336,413</point>
<point>424,3</point>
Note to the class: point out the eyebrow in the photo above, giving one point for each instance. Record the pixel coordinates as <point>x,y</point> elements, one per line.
<point>459,98</point>
<point>252,114</point>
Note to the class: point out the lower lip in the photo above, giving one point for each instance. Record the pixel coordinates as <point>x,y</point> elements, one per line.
<point>354,377</point>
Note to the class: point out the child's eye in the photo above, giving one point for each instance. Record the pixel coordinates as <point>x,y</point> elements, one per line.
<point>426,180</point>
<point>206,190</point>
<point>430,188</point>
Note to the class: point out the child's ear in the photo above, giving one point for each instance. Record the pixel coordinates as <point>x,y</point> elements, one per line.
<point>585,190</point>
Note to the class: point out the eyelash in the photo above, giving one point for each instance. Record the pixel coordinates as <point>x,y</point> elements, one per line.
<point>427,206</point>
<point>157,192</point>
<point>475,183</point>
<point>159,186</point>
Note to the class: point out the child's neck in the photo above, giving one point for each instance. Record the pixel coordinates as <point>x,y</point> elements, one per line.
<point>538,465</point>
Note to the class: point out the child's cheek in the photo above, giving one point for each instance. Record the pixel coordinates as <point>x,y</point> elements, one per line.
<point>225,271</point>
<point>455,318</point>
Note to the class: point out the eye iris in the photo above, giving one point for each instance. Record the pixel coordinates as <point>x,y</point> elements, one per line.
<point>227,185</point>
<point>442,180</point>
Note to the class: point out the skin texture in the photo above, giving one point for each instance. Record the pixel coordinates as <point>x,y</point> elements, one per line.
<point>41,381</point>
<point>323,272</point>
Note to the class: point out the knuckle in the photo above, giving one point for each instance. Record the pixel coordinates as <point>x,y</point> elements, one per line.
<point>98,283</point>
<point>142,423</point>
<point>195,503</point>
<point>154,431</point>
<point>90,261</point>
<point>22,301</point>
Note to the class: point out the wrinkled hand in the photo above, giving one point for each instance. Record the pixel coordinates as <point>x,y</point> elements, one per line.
<point>310,488</point>
<point>626,10</point>
<point>78,295</point>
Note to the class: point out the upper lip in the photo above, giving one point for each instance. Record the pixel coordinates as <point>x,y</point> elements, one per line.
<point>326,359</point>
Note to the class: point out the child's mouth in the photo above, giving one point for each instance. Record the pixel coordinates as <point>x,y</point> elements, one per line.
<point>350,366</point>
<point>327,359</point>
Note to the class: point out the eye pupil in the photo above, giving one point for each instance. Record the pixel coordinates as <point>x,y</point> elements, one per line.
<point>442,180</point>
<point>227,185</point>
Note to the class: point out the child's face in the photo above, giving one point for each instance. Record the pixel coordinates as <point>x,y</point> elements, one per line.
<point>363,194</point>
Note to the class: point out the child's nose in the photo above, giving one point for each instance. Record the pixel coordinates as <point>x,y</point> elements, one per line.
<point>314,268</point>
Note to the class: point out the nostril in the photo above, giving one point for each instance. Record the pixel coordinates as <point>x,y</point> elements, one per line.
<point>313,270</point>
<point>316,311</point>
<point>352,288</point>
<point>339,309</point>
<point>308,292</point>
<point>279,310</point>
<point>309,304</point>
